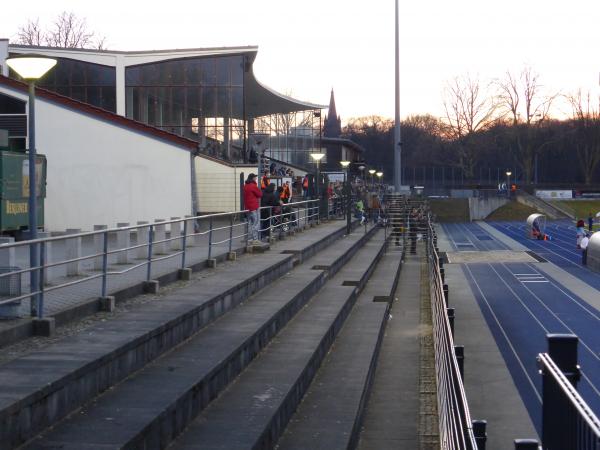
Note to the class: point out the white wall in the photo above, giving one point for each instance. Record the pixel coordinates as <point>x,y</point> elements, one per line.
<point>103,173</point>
<point>218,185</point>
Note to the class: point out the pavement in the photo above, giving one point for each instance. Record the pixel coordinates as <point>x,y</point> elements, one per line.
<point>391,418</point>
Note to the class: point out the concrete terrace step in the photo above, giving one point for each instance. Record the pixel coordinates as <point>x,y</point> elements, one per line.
<point>185,380</point>
<point>254,410</point>
<point>330,414</point>
<point>41,388</point>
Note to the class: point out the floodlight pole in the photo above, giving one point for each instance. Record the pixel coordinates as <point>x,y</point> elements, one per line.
<point>397,135</point>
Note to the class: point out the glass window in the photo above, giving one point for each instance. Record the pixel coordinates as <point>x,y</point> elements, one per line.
<point>11,105</point>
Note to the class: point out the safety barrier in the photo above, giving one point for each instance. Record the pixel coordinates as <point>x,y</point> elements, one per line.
<point>567,421</point>
<point>152,246</point>
<point>457,430</point>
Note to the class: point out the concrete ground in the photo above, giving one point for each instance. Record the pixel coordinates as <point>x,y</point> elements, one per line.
<point>391,419</point>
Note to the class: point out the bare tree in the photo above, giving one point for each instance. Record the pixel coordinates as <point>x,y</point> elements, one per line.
<point>468,110</point>
<point>67,31</point>
<point>586,120</point>
<point>522,99</point>
<point>31,33</point>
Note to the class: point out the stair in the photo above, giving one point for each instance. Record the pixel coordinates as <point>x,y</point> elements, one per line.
<point>40,389</point>
<point>330,415</point>
<point>254,410</point>
<point>152,406</point>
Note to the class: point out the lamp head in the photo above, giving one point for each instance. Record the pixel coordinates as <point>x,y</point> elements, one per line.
<point>361,167</point>
<point>317,156</point>
<point>379,174</point>
<point>508,173</point>
<point>345,164</point>
<point>372,171</point>
<point>31,67</point>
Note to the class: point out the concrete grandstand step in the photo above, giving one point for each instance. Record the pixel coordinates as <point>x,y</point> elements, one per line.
<point>185,380</point>
<point>330,414</point>
<point>359,270</point>
<point>254,410</point>
<point>41,388</point>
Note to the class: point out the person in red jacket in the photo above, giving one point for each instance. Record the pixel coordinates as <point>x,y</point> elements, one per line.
<point>252,195</point>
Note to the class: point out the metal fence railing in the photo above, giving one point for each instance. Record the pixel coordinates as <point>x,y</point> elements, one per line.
<point>567,421</point>
<point>110,252</point>
<point>455,424</point>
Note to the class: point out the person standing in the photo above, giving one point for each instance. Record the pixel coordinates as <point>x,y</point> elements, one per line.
<point>590,222</point>
<point>270,203</point>
<point>264,181</point>
<point>286,193</point>
<point>252,195</point>
<point>584,245</point>
<point>305,187</point>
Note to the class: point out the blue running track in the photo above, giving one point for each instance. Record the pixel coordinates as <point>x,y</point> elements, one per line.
<point>521,305</point>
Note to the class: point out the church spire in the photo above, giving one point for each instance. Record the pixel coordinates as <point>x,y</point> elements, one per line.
<point>333,124</point>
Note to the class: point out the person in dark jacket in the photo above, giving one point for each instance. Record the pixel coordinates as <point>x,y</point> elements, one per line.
<point>269,199</point>
<point>252,195</point>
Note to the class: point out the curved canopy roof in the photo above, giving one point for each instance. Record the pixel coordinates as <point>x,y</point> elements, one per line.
<point>260,99</point>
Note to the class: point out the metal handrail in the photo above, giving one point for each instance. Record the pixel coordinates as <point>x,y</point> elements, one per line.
<point>567,420</point>
<point>37,292</point>
<point>456,429</point>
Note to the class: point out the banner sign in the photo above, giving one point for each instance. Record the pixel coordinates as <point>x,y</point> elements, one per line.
<point>554,195</point>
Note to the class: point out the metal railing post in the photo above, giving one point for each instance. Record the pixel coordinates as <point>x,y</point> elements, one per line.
<point>150,245</point>
<point>184,243</point>
<point>526,444</point>
<point>557,428</point>
<point>459,351</point>
<point>230,232</point>
<point>479,431</point>
<point>104,262</point>
<point>451,316</point>
<point>40,296</point>
<point>270,222</point>
<point>210,231</point>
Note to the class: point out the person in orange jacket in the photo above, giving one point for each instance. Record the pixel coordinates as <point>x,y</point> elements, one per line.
<point>286,193</point>
<point>264,181</point>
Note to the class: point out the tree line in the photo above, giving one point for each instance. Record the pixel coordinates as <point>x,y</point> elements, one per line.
<point>505,123</point>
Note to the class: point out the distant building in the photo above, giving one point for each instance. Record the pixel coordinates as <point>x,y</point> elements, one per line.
<point>333,124</point>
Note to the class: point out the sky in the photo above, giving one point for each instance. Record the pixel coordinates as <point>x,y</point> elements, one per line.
<point>307,48</point>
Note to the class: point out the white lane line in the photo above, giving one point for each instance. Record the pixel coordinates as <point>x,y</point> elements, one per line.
<point>548,250</point>
<point>566,294</point>
<point>549,310</point>
<point>537,394</point>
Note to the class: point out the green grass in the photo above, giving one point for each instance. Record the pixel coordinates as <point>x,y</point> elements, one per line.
<point>450,209</point>
<point>512,211</point>
<point>582,208</point>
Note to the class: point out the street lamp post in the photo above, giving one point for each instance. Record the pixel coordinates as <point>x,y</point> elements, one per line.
<point>32,68</point>
<point>508,174</point>
<point>317,157</point>
<point>362,168</point>
<point>379,175</point>
<point>345,166</point>
<point>372,172</point>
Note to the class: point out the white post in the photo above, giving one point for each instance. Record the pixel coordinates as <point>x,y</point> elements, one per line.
<point>159,235</point>
<point>50,273</point>
<point>142,239</point>
<point>72,251</point>
<point>176,233</point>
<point>99,245</point>
<point>123,241</point>
<point>7,255</point>
<point>190,230</point>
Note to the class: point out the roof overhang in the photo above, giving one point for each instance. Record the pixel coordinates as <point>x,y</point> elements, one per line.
<point>263,101</point>
<point>260,99</point>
